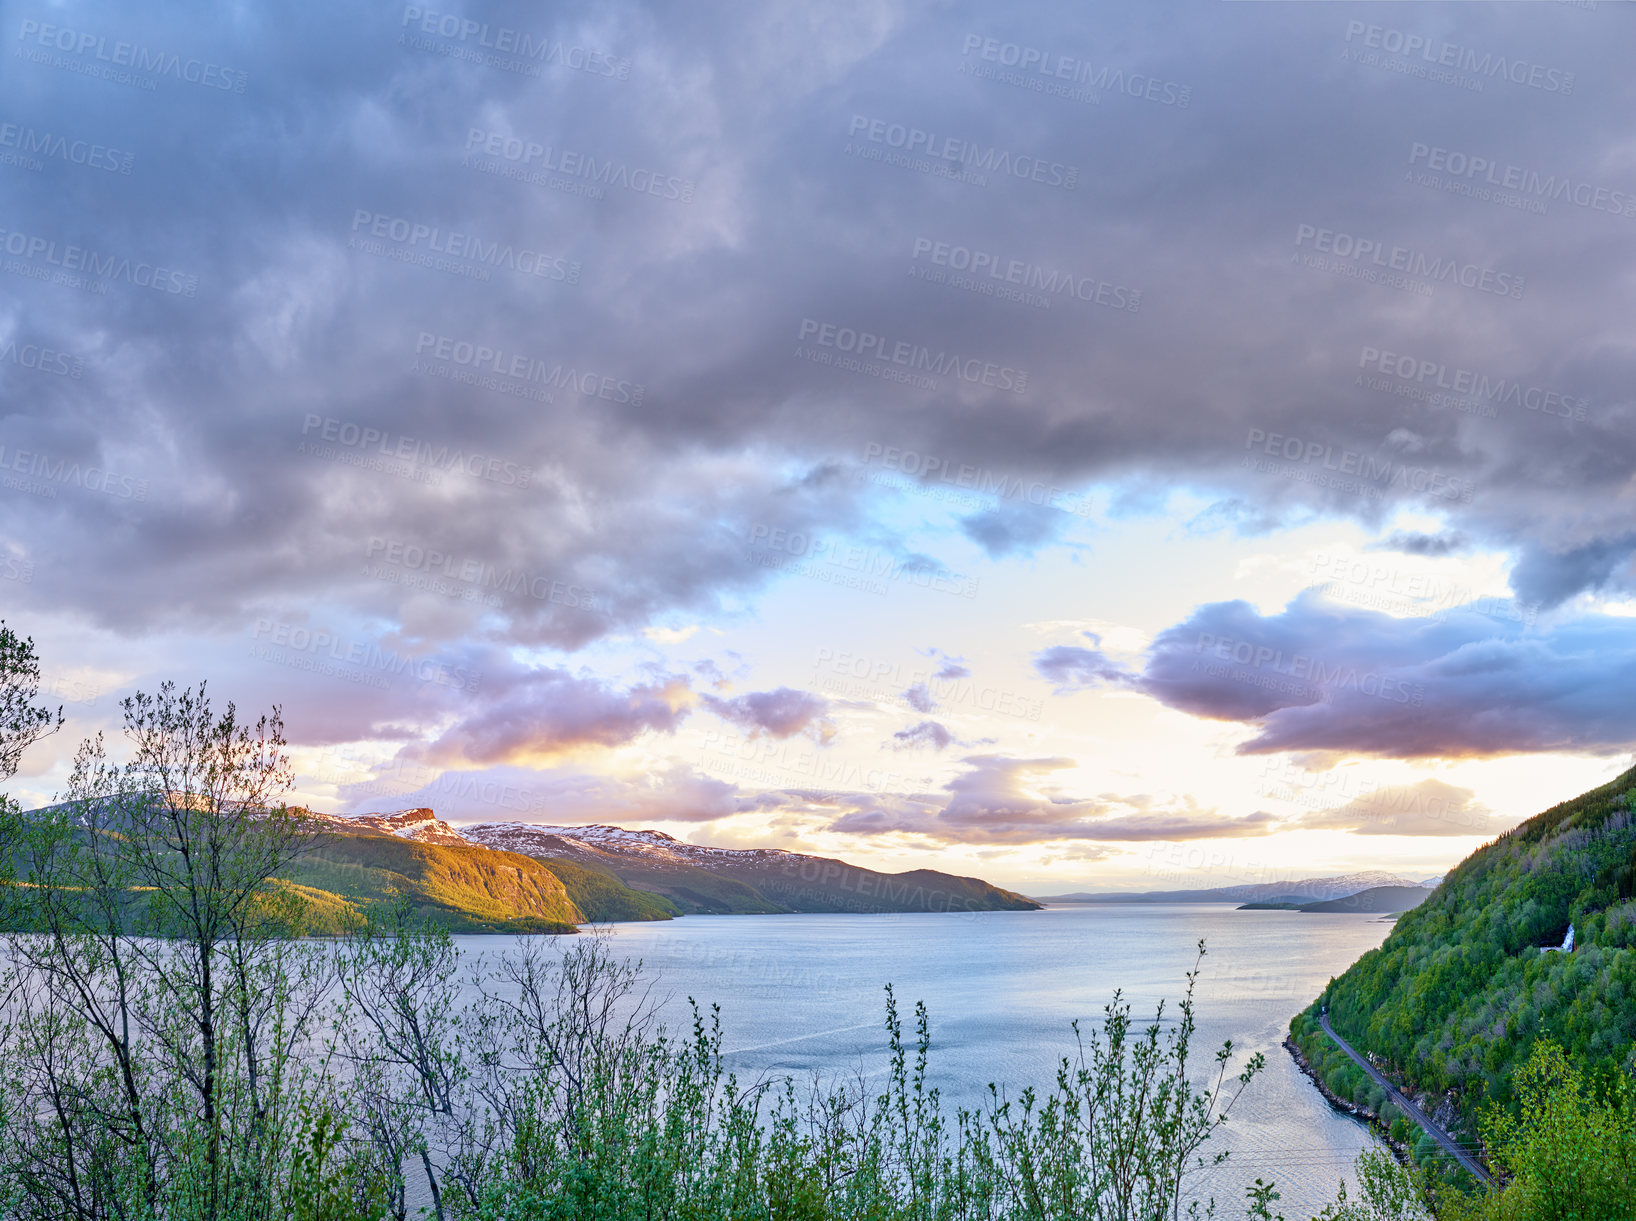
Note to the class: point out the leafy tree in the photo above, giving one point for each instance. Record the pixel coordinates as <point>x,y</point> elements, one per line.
<point>23,722</point>
<point>1572,1144</point>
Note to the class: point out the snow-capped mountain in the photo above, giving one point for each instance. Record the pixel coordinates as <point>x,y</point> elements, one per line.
<point>1307,890</point>
<point>599,839</point>
<point>417,824</point>
<point>703,879</point>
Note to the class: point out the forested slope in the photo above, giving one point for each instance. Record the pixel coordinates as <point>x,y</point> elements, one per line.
<point>1458,993</point>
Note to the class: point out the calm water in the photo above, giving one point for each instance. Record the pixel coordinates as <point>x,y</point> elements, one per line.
<point>804,993</point>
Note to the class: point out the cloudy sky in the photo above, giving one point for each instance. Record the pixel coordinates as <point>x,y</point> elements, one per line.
<point>1089,446</point>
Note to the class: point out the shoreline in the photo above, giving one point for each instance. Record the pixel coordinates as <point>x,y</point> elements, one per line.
<point>1352,1110</point>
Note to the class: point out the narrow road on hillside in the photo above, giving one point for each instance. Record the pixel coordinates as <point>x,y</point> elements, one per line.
<point>1408,1108</point>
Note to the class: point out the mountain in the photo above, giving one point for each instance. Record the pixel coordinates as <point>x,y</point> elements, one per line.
<point>510,877</point>
<point>1455,997</point>
<point>745,880</point>
<point>352,864</point>
<point>1307,890</point>
<point>604,898</point>
<point>419,824</point>
<point>1377,899</point>
<point>467,888</point>
<point>598,896</point>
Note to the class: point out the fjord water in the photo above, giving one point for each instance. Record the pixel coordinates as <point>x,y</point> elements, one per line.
<point>800,994</point>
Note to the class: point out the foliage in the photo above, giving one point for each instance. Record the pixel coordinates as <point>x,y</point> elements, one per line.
<point>174,1050</point>
<point>1458,994</point>
<point>1386,1192</point>
<point>1570,1146</point>
<point>604,898</point>
<point>158,1004</point>
<point>23,721</point>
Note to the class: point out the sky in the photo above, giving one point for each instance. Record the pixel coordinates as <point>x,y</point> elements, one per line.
<point>1086,446</point>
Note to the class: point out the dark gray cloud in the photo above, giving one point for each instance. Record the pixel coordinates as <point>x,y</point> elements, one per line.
<point>931,734</point>
<point>778,714</point>
<point>539,715</point>
<point>183,468</point>
<point>1548,578</point>
<point>920,698</point>
<point>1432,545</point>
<point>1013,528</point>
<point>1075,668</point>
<point>1322,677</point>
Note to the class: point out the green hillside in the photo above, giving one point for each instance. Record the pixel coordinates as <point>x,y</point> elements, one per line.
<point>693,890</point>
<point>466,889</point>
<point>1457,995</point>
<point>819,884</point>
<point>603,897</point>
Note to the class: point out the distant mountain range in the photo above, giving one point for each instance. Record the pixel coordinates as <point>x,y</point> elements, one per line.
<point>728,880</point>
<point>1379,900</point>
<point>1306,890</point>
<point>517,877</point>
<point>611,873</point>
